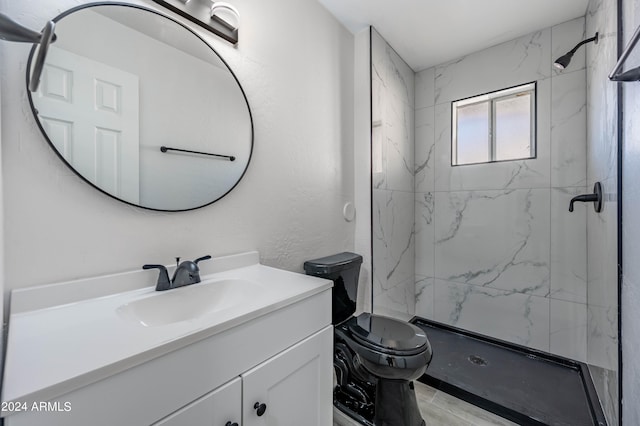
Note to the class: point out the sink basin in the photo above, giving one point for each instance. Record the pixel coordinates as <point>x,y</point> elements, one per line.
<point>189,302</point>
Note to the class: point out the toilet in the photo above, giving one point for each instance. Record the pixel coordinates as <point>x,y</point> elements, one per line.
<point>376,358</point>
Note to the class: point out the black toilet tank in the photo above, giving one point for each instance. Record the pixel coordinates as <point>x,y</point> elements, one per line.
<point>344,270</point>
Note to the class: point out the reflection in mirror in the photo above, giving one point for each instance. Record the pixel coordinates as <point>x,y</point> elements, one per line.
<point>121,82</point>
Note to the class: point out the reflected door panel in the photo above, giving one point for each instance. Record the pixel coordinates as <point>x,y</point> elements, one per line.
<point>104,104</point>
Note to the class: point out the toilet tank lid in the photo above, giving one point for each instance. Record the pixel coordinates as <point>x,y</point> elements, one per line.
<point>334,263</point>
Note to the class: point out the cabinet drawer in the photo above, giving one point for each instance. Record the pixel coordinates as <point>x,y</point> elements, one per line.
<point>217,408</point>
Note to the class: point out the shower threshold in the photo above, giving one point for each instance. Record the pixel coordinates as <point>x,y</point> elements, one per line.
<point>523,385</point>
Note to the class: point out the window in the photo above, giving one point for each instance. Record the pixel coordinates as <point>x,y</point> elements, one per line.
<point>497,126</point>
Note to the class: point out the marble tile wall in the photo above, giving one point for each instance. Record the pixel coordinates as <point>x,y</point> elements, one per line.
<point>602,285</point>
<point>496,250</point>
<point>602,296</point>
<point>393,181</point>
<point>631,230</point>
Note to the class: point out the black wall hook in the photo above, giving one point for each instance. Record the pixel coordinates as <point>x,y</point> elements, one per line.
<point>595,198</point>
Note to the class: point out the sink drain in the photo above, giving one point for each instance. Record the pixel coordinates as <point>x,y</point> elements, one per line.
<point>476,360</point>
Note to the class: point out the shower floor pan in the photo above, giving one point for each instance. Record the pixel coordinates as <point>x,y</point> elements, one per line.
<point>523,385</point>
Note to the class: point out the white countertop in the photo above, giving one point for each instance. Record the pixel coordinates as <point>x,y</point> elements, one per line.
<point>56,349</point>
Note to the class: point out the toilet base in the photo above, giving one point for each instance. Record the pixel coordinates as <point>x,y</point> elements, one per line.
<point>356,401</point>
<point>396,404</point>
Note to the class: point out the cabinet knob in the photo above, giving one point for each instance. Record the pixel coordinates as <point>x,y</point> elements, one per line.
<point>260,408</point>
<point>231,424</point>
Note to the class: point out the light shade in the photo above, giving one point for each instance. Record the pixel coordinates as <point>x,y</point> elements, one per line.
<point>226,13</point>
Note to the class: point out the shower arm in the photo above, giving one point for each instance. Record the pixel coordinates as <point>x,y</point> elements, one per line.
<point>589,40</point>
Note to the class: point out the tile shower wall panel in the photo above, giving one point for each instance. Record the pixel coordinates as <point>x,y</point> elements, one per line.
<point>606,384</point>
<point>424,171</point>
<point>602,284</point>
<point>424,165</point>
<point>397,301</point>
<point>393,251</point>
<point>602,328</point>
<point>425,88</point>
<point>569,129</point>
<point>400,231</point>
<point>425,297</point>
<point>392,118</point>
<point>519,61</point>
<point>393,181</point>
<point>398,138</point>
<point>568,246</point>
<point>568,329</point>
<point>380,239</point>
<point>497,239</point>
<point>424,234</point>
<point>602,259</point>
<point>506,315</point>
<point>631,231</point>
<point>495,245</point>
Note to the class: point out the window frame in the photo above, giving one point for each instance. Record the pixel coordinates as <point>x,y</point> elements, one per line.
<point>492,98</point>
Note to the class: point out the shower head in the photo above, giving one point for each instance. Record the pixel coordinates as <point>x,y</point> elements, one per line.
<point>563,61</point>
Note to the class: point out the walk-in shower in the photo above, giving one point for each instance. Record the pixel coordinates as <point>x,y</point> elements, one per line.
<point>489,254</point>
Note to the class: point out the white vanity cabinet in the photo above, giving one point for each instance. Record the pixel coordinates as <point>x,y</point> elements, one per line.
<point>291,389</point>
<point>281,358</point>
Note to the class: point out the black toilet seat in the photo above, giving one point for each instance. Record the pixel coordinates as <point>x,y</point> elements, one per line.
<point>387,335</point>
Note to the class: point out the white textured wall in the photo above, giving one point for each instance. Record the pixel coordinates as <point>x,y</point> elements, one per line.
<point>295,63</point>
<point>631,230</point>
<point>602,237</point>
<point>497,251</point>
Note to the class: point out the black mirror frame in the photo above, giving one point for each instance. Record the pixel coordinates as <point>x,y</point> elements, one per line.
<point>32,54</point>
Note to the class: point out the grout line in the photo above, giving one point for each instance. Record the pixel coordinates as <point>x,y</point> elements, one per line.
<point>433,397</point>
<point>433,214</point>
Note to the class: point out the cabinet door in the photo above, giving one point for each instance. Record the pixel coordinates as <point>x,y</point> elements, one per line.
<point>295,386</point>
<point>217,408</point>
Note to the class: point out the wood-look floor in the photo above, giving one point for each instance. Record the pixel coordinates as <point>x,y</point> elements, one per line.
<point>441,409</point>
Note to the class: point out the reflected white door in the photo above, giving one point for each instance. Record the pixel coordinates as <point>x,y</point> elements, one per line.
<point>90,112</point>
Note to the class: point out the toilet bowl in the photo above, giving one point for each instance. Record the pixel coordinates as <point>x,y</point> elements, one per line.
<point>404,357</point>
<point>375,357</point>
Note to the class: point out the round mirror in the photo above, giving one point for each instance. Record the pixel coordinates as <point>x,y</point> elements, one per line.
<point>142,108</point>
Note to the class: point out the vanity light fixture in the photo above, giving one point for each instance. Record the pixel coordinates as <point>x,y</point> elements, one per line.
<point>226,13</point>
<point>220,18</point>
<point>563,61</point>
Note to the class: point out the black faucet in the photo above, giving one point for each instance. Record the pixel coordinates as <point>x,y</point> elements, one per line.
<point>595,198</point>
<point>186,273</point>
